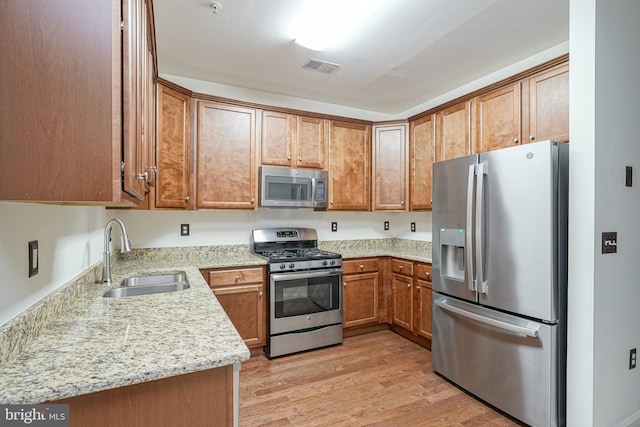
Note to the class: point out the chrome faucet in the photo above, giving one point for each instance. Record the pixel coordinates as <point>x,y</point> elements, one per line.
<point>124,247</point>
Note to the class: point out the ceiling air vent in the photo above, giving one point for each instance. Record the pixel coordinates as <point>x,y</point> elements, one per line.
<point>322,66</point>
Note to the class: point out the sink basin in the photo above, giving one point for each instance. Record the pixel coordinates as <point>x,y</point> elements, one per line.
<point>156,279</point>
<point>147,285</point>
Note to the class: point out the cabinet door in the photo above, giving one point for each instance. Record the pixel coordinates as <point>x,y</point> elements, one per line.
<point>498,118</point>
<point>422,309</point>
<point>422,154</point>
<point>278,131</point>
<point>245,307</point>
<point>360,296</point>
<point>549,105</point>
<point>226,157</point>
<point>390,176</point>
<point>454,135</point>
<point>349,167</point>
<point>311,143</point>
<point>172,151</point>
<point>402,295</point>
<point>60,115</point>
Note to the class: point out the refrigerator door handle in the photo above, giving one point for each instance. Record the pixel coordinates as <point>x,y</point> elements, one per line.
<point>481,284</point>
<point>468,259</point>
<point>514,329</point>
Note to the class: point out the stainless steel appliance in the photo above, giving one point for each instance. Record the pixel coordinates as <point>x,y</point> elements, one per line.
<point>500,277</point>
<point>305,290</point>
<point>293,188</point>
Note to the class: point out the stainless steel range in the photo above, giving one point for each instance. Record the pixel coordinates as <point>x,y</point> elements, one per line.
<point>305,290</point>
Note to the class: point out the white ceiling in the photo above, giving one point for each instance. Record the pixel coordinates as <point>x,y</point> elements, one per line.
<point>411,51</point>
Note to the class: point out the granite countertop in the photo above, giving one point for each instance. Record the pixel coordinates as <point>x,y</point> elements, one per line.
<point>75,341</point>
<point>103,343</point>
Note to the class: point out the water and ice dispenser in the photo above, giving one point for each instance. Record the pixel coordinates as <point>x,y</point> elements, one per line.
<point>452,253</point>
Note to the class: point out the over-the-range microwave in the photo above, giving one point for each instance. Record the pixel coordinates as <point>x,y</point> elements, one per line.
<point>282,187</point>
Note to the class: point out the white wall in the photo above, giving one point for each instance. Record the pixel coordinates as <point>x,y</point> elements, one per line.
<point>604,288</point>
<point>69,241</point>
<point>162,228</point>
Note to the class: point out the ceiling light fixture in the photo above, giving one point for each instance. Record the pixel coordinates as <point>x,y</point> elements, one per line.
<point>325,23</point>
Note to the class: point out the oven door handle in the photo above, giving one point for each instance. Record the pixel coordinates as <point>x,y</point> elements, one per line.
<point>305,274</point>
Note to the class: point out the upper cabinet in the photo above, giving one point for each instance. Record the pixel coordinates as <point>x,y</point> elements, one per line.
<point>390,173</point>
<point>172,151</point>
<point>548,112</point>
<point>349,166</point>
<point>293,141</point>
<point>226,167</point>
<point>498,118</point>
<point>73,83</point>
<point>454,131</point>
<point>422,154</point>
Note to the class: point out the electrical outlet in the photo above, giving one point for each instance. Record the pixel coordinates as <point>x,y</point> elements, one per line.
<point>184,229</point>
<point>334,226</point>
<point>33,258</point>
<point>413,226</point>
<point>386,225</point>
<point>632,358</point>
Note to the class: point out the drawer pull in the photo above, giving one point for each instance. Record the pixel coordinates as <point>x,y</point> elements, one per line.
<point>361,267</point>
<point>237,278</point>
<point>408,285</point>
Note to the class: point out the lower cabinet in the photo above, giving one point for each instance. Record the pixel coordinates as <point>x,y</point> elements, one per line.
<point>411,296</point>
<point>360,292</point>
<point>241,292</point>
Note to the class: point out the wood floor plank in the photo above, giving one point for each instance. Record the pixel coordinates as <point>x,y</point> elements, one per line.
<point>377,379</point>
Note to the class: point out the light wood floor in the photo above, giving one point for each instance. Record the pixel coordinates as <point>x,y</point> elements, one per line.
<point>377,379</point>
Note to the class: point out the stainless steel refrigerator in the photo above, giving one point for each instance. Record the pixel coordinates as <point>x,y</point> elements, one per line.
<point>500,278</point>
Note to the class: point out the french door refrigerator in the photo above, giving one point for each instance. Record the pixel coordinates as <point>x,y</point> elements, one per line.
<point>500,278</point>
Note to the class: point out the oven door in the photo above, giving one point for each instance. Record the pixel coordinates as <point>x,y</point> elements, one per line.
<point>305,299</point>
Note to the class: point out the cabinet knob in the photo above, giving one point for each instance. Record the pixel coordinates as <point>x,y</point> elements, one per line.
<point>186,199</point>
<point>417,287</point>
<point>331,202</point>
<point>260,294</point>
<point>253,200</point>
<point>288,157</point>
<point>237,278</point>
<point>431,201</point>
<point>408,285</point>
<point>428,274</point>
<point>531,137</point>
<point>361,267</point>
<point>299,159</point>
<point>515,140</point>
<point>344,284</point>
<point>402,203</point>
<point>401,267</point>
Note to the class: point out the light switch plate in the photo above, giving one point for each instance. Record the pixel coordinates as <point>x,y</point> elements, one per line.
<point>33,258</point>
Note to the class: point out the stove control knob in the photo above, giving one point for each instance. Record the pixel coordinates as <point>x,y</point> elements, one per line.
<point>291,265</point>
<point>332,262</point>
<point>324,263</point>
<point>282,266</point>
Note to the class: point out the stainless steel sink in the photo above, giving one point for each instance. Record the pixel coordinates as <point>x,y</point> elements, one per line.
<point>147,285</point>
<point>156,279</point>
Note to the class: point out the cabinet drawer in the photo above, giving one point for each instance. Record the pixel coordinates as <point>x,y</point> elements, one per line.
<point>402,267</point>
<point>237,276</point>
<point>423,272</point>
<point>360,265</point>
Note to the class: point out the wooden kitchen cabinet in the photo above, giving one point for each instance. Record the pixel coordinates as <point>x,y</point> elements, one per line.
<point>73,85</point>
<point>498,118</point>
<point>293,141</point>
<point>422,300</point>
<point>422,154</point>
<point>360,292</point>
<point>203,398</point>
<point>226,167</point>
<point>390,173</point>
<point>548,106</point>
<point>349,166</point>
<point>240,291</point>
<point>402,301</point>
<point>172,151</point>
<point>454,131</point>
